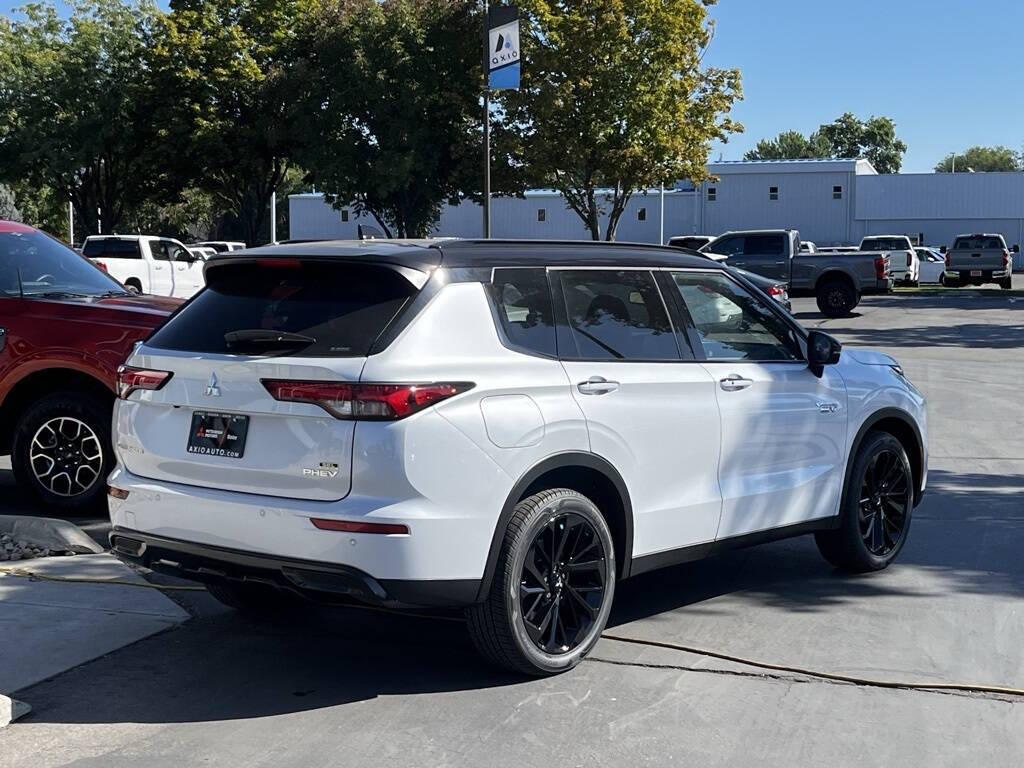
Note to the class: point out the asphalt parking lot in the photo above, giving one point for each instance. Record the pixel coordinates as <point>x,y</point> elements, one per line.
<point>353,687</point>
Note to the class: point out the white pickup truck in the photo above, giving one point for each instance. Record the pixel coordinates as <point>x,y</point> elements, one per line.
<point>906,267</point>
<point>147,264</point>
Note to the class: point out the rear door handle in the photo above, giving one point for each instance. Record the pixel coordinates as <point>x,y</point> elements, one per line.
<point>734,382</point>
<point>597,385</point>
<point>3,339</point>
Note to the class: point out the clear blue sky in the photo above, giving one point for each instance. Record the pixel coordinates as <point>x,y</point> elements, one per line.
<point>949,72</point>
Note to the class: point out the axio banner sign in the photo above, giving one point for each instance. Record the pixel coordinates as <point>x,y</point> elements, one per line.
<point>503,48</point>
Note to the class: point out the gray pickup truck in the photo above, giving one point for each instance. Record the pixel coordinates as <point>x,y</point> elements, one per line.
<point>837,280</point>
<point>977,259</point>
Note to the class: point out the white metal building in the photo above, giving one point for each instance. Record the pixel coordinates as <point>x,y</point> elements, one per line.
<point>832,202</point>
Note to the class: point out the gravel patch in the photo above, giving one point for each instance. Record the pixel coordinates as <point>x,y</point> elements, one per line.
<point>13,549</point>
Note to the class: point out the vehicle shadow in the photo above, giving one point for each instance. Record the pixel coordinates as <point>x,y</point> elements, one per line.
<point>969,335</point>
<point>15,500</point>
<point>967,535</point>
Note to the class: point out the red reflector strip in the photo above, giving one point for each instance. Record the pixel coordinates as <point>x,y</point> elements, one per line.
<point>278,262</point>
<point>350,527</point>
<point>129,379</point>
<point>117,493</point>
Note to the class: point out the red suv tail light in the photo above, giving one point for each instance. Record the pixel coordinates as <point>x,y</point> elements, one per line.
<point>129,379</point>
<point>880,267</point>
<point>364,402</point>
<point>1006,259</point>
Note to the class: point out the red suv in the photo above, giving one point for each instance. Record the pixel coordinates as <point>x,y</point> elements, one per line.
<point>65,327</point>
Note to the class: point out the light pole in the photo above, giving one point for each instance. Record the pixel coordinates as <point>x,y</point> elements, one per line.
<point>487,128</point>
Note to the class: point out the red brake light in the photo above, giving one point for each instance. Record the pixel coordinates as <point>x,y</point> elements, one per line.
<point>947,259</point>
<point>1006,258</point>
<point>279,263</point>
<point>364,402</point>
<point>102,266</point>
<point>910,258</point>
<point>129,379</point>
<point>880,267</point>
<point>776,290</point>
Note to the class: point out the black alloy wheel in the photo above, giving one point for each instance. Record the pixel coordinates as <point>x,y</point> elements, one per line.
<point>885,502</point>
<point>562,583</point>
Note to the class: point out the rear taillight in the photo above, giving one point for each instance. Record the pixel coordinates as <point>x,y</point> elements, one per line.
<point>129,379</point>
<point>947,259</point>
<point>364,402</point>
<point>910,258</point>
<point>1006,259</point>
<point>776,290</point>
<point>102,266</point>
<point>881,268</point>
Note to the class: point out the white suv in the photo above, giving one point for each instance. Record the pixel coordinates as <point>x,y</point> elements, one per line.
<point>506,427</point>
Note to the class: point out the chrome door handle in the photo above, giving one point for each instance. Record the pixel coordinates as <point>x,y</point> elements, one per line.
<point>828,407</point>
<point>597,385</point>
<point>734,382</point>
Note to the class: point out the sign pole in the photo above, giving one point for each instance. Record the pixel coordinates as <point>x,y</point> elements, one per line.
<point>486,123</point>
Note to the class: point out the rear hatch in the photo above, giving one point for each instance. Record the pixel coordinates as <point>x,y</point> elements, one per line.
<point>214,422</point>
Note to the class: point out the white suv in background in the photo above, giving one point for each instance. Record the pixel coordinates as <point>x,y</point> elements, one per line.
<point>506,427</point>
<point>905,266</point>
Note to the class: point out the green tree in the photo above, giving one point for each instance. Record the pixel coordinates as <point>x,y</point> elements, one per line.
<point>69,97</point>
<point>393,116</point>
<point>43,208</point>
<point>226,101</point>
<point>846,136</point>
<point>790,145</point>
<point>614,95</point>
<point>874,138</point>
<point>8,207</point>
<point>983,159</point>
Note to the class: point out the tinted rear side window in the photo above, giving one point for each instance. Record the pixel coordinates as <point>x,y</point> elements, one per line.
<point>771,245</point>
<point>112,249</point>
<point>523,300</point>
<point>617,315</point>
<point>979,243</point>
<point>344,307</point>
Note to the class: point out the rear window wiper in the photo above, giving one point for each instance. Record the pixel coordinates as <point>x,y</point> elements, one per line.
<point>263,336</point>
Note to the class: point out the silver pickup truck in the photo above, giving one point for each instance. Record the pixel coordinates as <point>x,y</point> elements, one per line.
<point>837,280</point>
<point>977,259</point>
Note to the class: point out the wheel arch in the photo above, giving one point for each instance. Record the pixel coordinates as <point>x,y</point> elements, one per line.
<point>903,427</point>
<point>586,473</point>
<point>38,385</point>
<point>835,273</point>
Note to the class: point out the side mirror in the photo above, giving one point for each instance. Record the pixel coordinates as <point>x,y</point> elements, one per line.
<point>942,250</point>
<point>1016,248</point>
<point>822,350</point>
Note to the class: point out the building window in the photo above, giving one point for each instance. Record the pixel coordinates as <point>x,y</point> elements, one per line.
<point>344,214</point>
<point>773,193</point>
<point>641,215</point>
<point>712,194</point>
<point>837,192</point>
<point>542,214</point>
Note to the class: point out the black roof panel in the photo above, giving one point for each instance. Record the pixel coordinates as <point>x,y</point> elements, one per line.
<point>425,255</point>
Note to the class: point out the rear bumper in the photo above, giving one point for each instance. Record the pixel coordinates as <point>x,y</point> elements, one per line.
<point>319,581</point>
<point>986,276</point>
<point>881,286</point>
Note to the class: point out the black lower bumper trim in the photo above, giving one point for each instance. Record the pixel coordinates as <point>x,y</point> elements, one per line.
<point>322,582</point>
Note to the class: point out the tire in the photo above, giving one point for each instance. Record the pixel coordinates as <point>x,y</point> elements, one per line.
<point>1006,283</point>
<point>914,283</point>
<point>501,627</point>
<point>866,539</point>
<point>942,280</point>
<point>133,283</point>
<point>836,298</point>
<point>255,599</point>
<point>62,450</point>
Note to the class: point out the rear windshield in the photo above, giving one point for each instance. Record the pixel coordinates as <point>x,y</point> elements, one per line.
<point>343,308</point>
<point>885,244</point>
<point>979,243</point>
<point>113,248</point>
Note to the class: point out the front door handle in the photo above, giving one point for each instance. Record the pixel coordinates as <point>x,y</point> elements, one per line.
<point>597,385</point>
<point>828,407</point>
<point>3,339</point>
<point>734,382</point>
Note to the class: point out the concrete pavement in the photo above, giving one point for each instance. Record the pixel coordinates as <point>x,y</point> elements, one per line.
<point>348,687</point>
